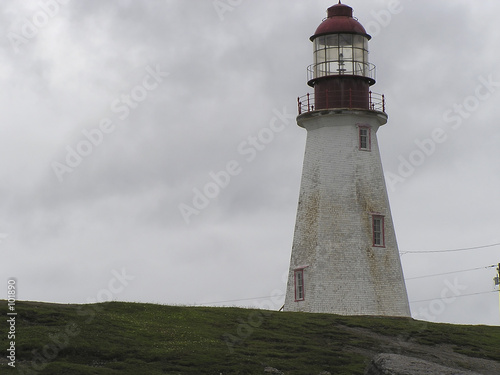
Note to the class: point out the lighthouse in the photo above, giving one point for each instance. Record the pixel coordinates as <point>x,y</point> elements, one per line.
<point>345,258</point>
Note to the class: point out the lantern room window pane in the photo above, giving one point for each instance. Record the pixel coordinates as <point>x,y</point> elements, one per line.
<point>358,41</point>
<point>360,69</point>
<point>330,67</point>
<point>345,54</point>
<point>332,54</point>
<point>349,67</point>
<point>345,39</point>
<point>320,56</point>
<point>319,43</point>
<point>359,55</point>
<point>321,70</point>
<point>332,40</point>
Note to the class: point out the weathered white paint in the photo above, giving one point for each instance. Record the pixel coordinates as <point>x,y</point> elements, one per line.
<point>341,188</point>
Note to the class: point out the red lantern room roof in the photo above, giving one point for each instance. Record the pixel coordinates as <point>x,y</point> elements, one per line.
<point>340,20</point>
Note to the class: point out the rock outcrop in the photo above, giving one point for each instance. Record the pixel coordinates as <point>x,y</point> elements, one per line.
<point>395,364</point>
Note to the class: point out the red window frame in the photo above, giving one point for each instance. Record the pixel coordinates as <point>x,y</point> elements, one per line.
<point>368,137</point>
<point>298,297</point>
<point>378,242</point>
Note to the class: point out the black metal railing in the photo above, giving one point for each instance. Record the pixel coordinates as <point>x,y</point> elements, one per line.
<point>376,102</point>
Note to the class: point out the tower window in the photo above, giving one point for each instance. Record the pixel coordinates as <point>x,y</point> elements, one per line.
<point>365,138</point>
<point>378,231</point>
<point>299,284</point>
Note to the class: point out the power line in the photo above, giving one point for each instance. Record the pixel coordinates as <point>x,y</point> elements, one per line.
<point>409,278</point>
<point>462,295</point>
<point>448,250</point>
<point>448,273</point>
<point>237,300</point>
<point>282,295</point>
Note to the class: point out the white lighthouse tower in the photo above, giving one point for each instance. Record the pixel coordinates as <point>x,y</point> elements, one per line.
<point>345,258</point>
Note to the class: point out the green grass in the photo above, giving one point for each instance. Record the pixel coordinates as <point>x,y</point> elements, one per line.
<point>134,338</point>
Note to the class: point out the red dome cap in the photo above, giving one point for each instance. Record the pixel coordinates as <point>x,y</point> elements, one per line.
<point>340,21</point>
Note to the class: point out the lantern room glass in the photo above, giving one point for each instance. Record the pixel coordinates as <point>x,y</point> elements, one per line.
<point>338,54</point>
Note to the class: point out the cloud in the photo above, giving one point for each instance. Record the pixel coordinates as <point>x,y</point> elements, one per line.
<point>119,206</point>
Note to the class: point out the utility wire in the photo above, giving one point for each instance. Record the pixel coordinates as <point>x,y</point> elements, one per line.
<point>449,250</point>
<point>462,295</point>
<point>410,278</point>
<point>281,295</point>
<point>237,300</point>
<point>449,273</point>
<point>406,279</point>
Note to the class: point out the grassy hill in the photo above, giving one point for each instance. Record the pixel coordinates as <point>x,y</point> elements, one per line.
<point>135,338</point>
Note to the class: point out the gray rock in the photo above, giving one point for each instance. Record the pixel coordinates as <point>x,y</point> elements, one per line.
<point>272,370</point>
<point>395,364</point>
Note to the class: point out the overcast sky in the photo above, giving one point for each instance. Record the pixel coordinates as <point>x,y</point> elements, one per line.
<point>115,114</point>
